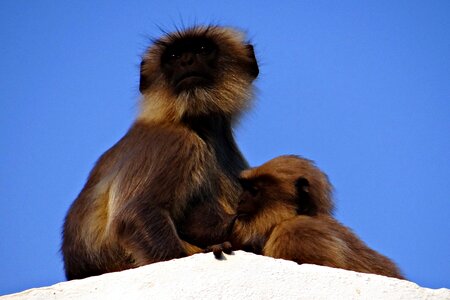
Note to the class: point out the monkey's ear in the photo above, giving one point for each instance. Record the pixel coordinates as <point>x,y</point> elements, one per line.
<point>144,83</point>
<point>305,202</point>
<point>253,66</point>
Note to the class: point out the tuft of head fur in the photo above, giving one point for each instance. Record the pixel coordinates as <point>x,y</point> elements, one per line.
<point>230,95</point>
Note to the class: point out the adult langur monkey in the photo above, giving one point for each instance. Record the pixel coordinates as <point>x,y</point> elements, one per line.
<point>167,188</point>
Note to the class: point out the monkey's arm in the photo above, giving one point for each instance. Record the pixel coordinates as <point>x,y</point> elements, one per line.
<point>151,190</point>
<point>148,232</point>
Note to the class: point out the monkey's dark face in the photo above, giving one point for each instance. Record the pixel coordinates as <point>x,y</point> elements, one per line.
<point>200,71</point>
<point>254,197</point>
<point>189,63</point>
<point>249,201</point>
<point>198,57</point>
<point>295,182</point>
<point>267,192</point>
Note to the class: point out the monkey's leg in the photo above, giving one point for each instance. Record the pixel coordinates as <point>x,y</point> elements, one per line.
<point>149,235</point>
<point>191,249</point>
<point>307,240</point>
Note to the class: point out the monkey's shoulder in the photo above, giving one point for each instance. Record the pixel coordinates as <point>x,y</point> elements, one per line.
<point>147,147</point>
<point>155,139</point>
<point>155,133</point>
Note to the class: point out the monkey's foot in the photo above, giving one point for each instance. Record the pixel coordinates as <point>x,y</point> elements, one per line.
<point>217,249</point>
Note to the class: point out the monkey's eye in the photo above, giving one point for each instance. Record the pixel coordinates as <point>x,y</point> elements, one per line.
<point>171,54</point>
<point>204,48</point>
<point>253,190</point>
<point>174,55</point>
<point>250,187</point>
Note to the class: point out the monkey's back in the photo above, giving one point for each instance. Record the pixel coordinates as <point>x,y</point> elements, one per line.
<point>324,241</point>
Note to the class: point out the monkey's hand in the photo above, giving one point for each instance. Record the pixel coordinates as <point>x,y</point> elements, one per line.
<point>217,249</point>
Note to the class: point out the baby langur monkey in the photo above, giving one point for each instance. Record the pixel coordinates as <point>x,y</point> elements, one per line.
<point>285,211</point>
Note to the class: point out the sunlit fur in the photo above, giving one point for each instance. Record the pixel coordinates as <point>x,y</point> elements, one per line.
<point>278,228</point>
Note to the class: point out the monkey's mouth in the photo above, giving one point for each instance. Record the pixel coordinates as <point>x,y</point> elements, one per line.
<point>192,79</point>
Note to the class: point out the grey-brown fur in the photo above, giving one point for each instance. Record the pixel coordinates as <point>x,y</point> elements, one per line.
<point>285,211</point>
<point>168,187</point>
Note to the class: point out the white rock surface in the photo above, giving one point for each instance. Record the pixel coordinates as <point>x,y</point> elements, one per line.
<point>238,276</point>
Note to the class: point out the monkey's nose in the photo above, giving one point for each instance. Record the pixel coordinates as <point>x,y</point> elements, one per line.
<point>187,59</point>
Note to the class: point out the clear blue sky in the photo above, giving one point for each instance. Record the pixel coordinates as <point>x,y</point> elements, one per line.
<point>361,87</point>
